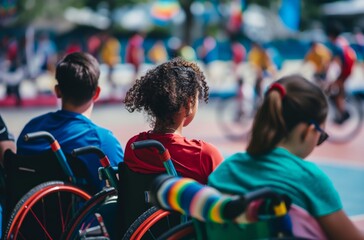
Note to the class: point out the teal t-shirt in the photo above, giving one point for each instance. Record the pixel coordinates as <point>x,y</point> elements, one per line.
<point>302,181</point>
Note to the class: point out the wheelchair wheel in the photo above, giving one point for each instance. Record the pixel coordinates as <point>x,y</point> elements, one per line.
<point>96,218</point>
<point>235,117</point>
<point>184,231</point>
<point>346,131</point>
<point>44,211</point>
<point>151,224</point>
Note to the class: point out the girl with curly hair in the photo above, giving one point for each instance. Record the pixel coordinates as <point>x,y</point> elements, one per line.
<point>169,94</point>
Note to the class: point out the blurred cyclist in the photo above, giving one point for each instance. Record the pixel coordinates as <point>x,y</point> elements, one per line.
<point>345,57</point>
<point>320,56</point>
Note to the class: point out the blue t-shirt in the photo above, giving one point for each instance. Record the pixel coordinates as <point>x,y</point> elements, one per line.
<point>72,130</point>
<point>301,180</point>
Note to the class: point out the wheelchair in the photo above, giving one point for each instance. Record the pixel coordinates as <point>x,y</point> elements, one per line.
<point>259,214</point>
<point>124,212</point>
<point>43,192</point>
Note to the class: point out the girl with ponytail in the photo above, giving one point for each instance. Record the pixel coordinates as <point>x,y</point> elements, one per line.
<point>287,127</point>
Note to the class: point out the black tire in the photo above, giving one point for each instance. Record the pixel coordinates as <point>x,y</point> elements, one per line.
<point>85,223</point>
<point>348,130</point>
<point>185,231</point>
<point>166,220</point>
<point>44,211</point>
<point>235,117</point>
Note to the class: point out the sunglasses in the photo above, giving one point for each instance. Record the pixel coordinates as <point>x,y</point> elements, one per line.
<point>323,135</point>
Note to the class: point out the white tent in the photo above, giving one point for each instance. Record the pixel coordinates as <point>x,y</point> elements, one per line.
<point>353,7</point>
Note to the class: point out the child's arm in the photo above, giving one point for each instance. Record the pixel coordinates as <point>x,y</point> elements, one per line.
<point>338,226</point>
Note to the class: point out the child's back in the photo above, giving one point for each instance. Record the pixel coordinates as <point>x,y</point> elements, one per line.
<point>169,95</point>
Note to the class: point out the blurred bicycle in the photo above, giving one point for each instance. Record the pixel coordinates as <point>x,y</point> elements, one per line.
<point>341,129</point>
<point>236,109</point>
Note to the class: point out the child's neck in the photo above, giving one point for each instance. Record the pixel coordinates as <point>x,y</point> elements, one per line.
<point>85,109</point>
<point>168,129</point>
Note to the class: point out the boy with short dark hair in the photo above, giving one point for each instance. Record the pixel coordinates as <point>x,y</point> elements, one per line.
<point>77,75</point>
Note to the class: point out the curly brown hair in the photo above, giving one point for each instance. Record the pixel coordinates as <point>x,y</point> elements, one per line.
<point>162,91</point>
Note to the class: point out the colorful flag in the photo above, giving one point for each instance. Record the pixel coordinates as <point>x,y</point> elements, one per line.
<point>164,10</point>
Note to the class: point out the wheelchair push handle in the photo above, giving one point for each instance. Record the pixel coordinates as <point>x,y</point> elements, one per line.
<point>40,134</point>
<point>104,160</point>
<point>149,144</point>
<point>88,150</point>
<point>56,148</point>
<point>164,155</point>
<point>236,206</point>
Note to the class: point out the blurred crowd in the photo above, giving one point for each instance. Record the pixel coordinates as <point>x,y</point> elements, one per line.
<point>36,53</point>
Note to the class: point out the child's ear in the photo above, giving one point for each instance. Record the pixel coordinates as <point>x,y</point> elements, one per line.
<point>307,131</point>
<point>191,104</point>
<point>57,91</point>
<point>188,110</point>
<point>97,94</point>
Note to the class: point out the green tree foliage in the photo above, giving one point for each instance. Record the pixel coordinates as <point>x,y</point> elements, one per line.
<point>31,10</point>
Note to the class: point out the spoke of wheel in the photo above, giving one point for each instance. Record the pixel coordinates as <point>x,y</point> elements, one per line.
<point>89,224</point>
<point>61,210</point>
<point>21,235</point>
<point>40,224</point>
<point>68,213</point>
<point>151,234</point>
<point>44,213</point>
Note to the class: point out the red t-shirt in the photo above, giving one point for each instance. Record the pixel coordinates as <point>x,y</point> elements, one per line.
<point>192,158</point>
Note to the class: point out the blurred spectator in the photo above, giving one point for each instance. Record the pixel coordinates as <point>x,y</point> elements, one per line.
<point>94,45</point>
<point>135,51</point>
<point>46,53</point>
<point>275,55</point>
<point>14,72</point>
<point>238,52</point>
<point>359,40</point>
<point>73,46</point>
<point>174,44</point>
<point>13,78</point>
<point>158,53</point>
<point>12,51</point>
<point>263,65</point>
<point>188,53</point>
<point>208,52</point>
<point>110,55</point>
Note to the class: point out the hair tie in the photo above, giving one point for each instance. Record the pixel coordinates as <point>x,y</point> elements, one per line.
<point>278,87</point>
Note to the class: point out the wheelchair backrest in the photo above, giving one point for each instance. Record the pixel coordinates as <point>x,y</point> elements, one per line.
<point>133,195</point>
<point>23,172</point>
